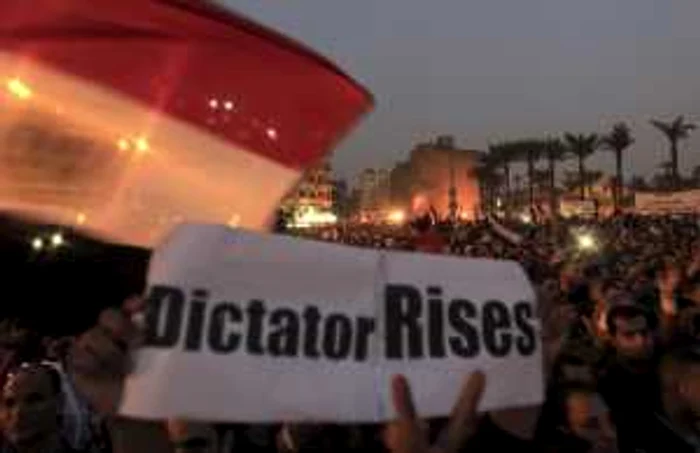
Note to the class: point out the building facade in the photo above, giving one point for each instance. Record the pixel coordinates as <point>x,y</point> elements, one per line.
<point>401,185</point>
<point>440,176</point>
<point>341,198</point>
<point>315,191</point>
<point>372,191</point>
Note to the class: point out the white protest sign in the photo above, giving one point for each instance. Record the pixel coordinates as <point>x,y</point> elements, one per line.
<point>247,327</point>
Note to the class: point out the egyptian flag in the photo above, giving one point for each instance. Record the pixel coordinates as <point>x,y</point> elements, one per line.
<point>125,118</point>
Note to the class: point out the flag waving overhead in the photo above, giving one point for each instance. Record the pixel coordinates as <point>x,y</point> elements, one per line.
<point>127,117</point>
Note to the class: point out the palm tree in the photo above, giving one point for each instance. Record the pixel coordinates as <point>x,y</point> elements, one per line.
<point>675,131</point>
<point>572,180</point>
<point>542,180</point>
<point>529,151</point>
<point>489,179</point>
<point>518,191</point>
<point>554,152</point>
<point>696,176</point>
<point>502,156</point>
<point>617,141</point>
<point>581,146</point>
<point>663,179</point>
<point>638,183</point>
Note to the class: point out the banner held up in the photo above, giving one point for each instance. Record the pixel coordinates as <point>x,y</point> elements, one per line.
<point>275,328</point>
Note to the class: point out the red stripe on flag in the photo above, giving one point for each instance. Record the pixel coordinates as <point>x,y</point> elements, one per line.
<point>197,63</point>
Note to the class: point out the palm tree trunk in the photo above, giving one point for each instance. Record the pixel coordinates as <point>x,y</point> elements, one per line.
<point>531,182</point>
<point>552,187</point>
<point>506,175</point>
<point>617,196</point>
<point>582,177</point>
<point>674,164</point>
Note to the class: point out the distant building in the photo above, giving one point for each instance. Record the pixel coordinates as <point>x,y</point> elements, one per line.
<point>437,175</point>
<point>372,191</point>
<point>315,191</point>
<point>341,198</point>
<point>401,185</point>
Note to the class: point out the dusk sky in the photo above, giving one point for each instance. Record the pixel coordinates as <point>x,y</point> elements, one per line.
<point>490,70</point>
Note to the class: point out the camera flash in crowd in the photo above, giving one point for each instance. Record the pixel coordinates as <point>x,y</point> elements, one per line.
<point>586,241</point>
<point>37,244</point>
<point>57,240</point>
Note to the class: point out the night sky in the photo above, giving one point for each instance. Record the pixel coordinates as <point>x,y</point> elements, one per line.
<point>489,70</point>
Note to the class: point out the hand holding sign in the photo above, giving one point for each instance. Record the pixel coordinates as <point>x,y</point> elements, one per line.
<point>100,359</point>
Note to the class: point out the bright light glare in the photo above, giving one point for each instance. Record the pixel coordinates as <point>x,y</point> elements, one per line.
<point>142,145</point>
<point>586,241</point>
<point>228,105</point>
<point>234,221</point>
<point>526,218</point>
<point>313,218</point>
<point>19,89</point>
<point>213,104</point>
<point>57,239</point>
<point>396,217</point>
<point>123,144</point>
<point>81,218</point>
<point>37,244</point>
<point>271,133</point>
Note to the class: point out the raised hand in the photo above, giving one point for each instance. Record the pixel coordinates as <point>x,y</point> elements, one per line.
<point>188,437</point>
<point>101,357</point>
<point>408,435</point>
<point>668,280</point>
<point>667,283</point>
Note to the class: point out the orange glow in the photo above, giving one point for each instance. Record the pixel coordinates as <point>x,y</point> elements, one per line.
<point>234,221</point>
<point>419,203</point>
<point>123,144</point>
<point>396,217</point>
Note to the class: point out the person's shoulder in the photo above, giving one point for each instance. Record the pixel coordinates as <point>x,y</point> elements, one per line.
<point>491,438</point>
<point>67,448</point>
<point>662,437</point>
<point>129,436</point>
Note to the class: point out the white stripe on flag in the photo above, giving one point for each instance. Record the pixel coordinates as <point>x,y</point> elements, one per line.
<point>134,197</point>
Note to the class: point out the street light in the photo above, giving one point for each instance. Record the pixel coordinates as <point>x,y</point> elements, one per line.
<point>37,244</point>
<point>57,240</point>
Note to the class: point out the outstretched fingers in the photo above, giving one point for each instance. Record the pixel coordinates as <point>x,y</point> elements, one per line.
<point>464,418</point>
<point>406,433</point>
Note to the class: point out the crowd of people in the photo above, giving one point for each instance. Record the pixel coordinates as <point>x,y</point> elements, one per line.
<point>618,299</point>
